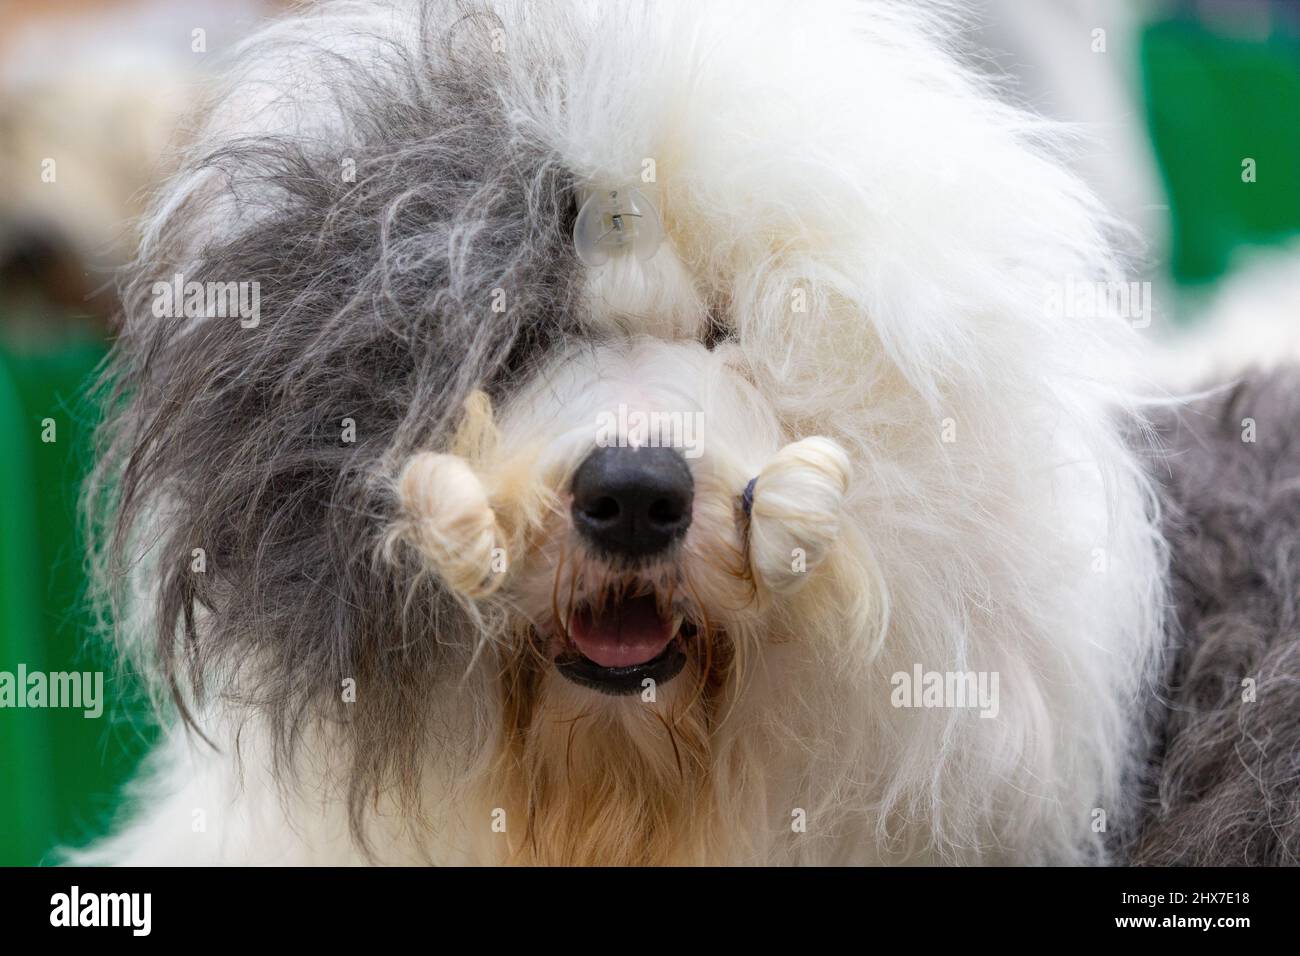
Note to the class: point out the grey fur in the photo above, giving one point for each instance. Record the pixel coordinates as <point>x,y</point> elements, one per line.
<point>376,305</point>
<point>1224,785</point>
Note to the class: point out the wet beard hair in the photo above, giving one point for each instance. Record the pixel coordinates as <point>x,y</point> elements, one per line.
<point>618,781</point>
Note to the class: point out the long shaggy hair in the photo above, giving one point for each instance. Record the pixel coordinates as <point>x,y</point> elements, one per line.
<point>1224,786</point>
<point>859,236</point>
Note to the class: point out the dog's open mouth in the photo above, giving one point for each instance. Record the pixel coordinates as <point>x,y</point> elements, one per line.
<point>616,646</point>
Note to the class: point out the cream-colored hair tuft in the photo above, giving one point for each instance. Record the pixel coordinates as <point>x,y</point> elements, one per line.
<point>795,515</point>
<point>451,521</point>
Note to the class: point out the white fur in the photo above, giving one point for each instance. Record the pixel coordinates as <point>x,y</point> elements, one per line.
<point>831,156</point>
<point>796,511</point>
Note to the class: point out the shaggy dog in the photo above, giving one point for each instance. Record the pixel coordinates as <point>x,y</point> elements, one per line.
<point>655,443</point>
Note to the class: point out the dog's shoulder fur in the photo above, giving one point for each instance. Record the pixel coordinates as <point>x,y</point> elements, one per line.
<point>1224,785</point>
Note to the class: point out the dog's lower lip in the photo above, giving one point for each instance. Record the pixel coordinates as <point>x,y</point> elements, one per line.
<point>631,679</point>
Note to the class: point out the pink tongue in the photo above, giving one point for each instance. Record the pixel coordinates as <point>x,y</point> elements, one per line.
<point>627,633</point>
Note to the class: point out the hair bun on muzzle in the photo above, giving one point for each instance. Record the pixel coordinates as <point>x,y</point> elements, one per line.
<point>795,512</point>
<point>450,522</point>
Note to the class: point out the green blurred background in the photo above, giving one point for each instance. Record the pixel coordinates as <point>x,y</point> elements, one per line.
<point>1174,95</point>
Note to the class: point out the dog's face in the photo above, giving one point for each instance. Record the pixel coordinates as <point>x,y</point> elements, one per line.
<point>638,572</point>
<point>653,534</point>
<point>621,469</point>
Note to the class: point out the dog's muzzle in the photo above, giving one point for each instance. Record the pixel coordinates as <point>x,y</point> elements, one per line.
<point>630,507</point>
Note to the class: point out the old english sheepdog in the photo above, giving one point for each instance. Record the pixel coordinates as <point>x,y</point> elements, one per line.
<point>633,433</point>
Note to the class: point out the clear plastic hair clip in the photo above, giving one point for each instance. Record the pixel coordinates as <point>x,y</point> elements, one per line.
<point>615,221</point>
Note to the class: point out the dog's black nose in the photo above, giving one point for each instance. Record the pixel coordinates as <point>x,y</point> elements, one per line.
<point>632,502</point>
